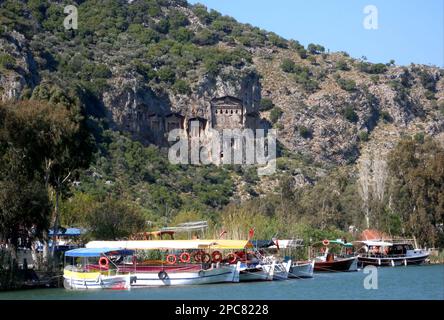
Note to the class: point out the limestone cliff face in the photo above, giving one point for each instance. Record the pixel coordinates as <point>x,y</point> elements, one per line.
<point>22,72</point>
<point>131,105</point>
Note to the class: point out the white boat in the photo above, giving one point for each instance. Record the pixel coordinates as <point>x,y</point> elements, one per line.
<point>301,269</point>
<point>390,253</point>
<point>184,262</point>
<point>281,270</point>
<point>257,272</point>
<point>80,275</point>
<point>186,276</point>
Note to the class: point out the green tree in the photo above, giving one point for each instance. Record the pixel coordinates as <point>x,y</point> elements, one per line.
<point>114,220</point>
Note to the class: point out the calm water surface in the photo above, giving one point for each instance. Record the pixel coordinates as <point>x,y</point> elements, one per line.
<point>413,282</point>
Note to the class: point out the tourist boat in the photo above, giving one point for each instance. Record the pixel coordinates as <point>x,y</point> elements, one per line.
<point>329,261</point>
<point>179,262</point>
<point>84,269</point>
<point>390,253</point>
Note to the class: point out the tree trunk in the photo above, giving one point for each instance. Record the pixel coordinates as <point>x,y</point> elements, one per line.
<point>56,222</point>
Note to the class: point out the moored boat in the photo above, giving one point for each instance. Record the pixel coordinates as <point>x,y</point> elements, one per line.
<point>281,270</point>
<point>343,260</point>
<point>85,270</point>
<point>179,262</point>
<point>301,269</point>
<point>390,253</point>
<point>257,272</point>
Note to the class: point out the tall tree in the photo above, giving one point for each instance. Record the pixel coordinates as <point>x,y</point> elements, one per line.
<point>53,140</point>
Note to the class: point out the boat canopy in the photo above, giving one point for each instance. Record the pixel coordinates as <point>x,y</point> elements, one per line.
<point>342,243</point>
<point>376,243</point>
<point>172,244</point>
<point>96,252</point>
<point>273,244</point>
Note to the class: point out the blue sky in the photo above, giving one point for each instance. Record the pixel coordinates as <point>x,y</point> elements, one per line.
<point>408,31</point>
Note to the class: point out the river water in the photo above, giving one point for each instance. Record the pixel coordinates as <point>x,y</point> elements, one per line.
<point>412,282</point>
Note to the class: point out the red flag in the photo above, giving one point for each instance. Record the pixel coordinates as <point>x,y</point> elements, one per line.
<point>222,233</point>
<point>251,234</point>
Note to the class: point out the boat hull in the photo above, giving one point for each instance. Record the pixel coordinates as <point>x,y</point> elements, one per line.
<point>261,272</point>
<point>343,264</point>
<point>93,281</point>
<point>216,275</point>
<point>392,261</point>
<point>301,270</point>
<point>281,270</point>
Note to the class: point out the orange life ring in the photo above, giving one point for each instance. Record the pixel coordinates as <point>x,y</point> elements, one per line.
<point>217,256</point>
<point>325,242</point>
<point>171,259</point>
<point>232,258</point>
<point>185,257</point>
<point>103,262</point>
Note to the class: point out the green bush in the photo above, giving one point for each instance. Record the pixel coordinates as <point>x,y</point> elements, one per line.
<point>182,34</point>
<point>275,114</point>
<point>205,37</point>
<point>288,66</point>
<point>377,68</point>
<point>305,132</point>
<point>166,74</point>
<point>363,136</point>
<point>350,114</point>
<point>277,40</point>
<point>7,61</point>
<point>266,104</point>
<point>386,117</point>
<point>315,48</point>
<point>182,87</point>
<point>346,84</point>
<point>342,65</point>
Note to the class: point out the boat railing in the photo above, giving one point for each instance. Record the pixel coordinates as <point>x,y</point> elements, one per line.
<point>380,255</point>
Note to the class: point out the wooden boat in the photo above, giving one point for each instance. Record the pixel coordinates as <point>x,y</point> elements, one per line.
<point>344,260</point>
<point>301,269</point>
<point>390,253</point>
<point>79,274</point>
<point>281,270</point>
<point>333,263</point>
<point>288,266</point>
<point>182,262</point>
<point>257,272</point>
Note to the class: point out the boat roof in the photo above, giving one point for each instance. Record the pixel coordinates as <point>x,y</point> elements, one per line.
<point>337,241</point>
<point>95,252</point>
<point>283,244</point>
<point>375,243</point>
<point>342,243</point>
<point>172,244</point>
